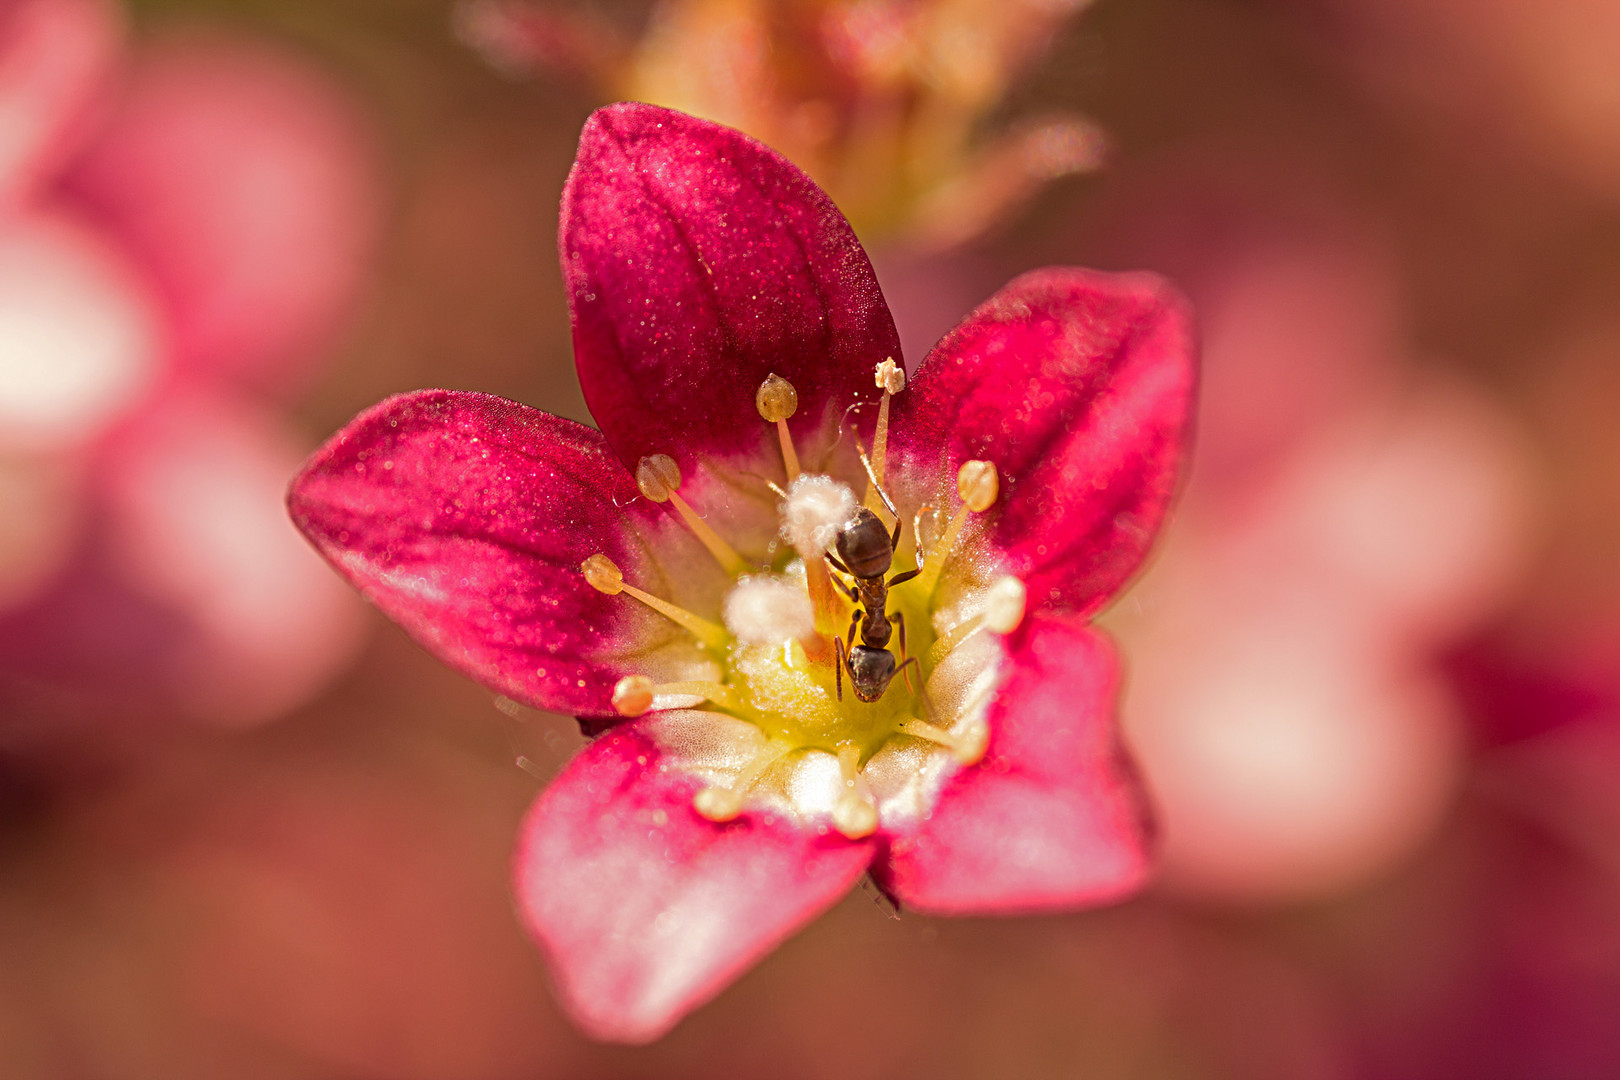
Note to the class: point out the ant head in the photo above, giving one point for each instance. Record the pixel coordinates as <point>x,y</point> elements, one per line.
<point>871,670</point>
<point>864,545</point>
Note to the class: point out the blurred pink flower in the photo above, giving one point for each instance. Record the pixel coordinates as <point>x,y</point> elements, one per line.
<point>182,226</point>
<point>1349,521</point>
<point>714,288</point>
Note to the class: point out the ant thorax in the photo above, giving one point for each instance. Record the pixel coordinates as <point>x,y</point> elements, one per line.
<point>853,661</point>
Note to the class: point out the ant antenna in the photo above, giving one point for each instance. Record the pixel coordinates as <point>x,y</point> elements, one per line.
<point>871,475</point>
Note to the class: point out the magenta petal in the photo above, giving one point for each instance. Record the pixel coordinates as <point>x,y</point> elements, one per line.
<point>1053,817</point>
<point>1079,386</point>
<point>647,910</point>
<point>465,518</point>
<point>697,263</point>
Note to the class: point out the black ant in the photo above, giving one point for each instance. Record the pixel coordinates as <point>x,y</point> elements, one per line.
<point>865,552</point>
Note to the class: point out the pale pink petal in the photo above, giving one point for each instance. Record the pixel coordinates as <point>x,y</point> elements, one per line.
<point>647,910</point>
<point>1054,817</point>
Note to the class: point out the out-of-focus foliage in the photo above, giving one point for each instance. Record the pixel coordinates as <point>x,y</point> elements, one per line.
<point>891,105</point>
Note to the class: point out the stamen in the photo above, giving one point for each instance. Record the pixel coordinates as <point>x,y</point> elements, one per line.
<point>815,509</point>
<point>658,476</point>
<point>891,379</point>
<point>978,484</point>
<point>853,814</point>
<point>604,576</point>
<point>634,695</point>
<point>723,802</point>
<point>776,400</point>
<point>966,748</point>
<point>1003,611</point>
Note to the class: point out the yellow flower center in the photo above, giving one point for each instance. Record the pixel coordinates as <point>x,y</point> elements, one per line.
<point>853,672</point>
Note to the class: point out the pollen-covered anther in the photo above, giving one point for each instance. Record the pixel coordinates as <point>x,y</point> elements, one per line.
<point>815,509</point>
<point>658,477</point>
<point>777,400</point>
<point>633,695</point>
<point>723,802</point>
<point>718,804</point>
<point>855,816</point>
<point>853,813</point>
<point>766,609</point>
<point>604,575</point>
<point>978,484</point>
<point>1004,605</point>
<point>891,379</point>
<point>967,746</point>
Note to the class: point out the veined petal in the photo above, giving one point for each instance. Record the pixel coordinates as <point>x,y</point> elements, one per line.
<point>647,910</point>
<point>698,262</point>
<point>1054,816</point>
<point>465,518</point>
<point>1079,386</point>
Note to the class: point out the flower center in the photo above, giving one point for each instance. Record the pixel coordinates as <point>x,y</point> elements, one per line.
<point>850,675</point>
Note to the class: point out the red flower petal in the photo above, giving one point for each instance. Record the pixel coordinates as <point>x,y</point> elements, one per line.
<point>646,909</point>
<point>1079,386</point>
<point>465,518</point>
<point>1054,816</point>
<point>697,263</point>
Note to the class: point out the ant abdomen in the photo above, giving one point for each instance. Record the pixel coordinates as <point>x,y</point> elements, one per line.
<point>865,546</point>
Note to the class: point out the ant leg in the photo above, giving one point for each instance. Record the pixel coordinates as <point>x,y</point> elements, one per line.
<point>837,564</point>
<point>838,666</point>
<point>899,620</point>
<point>901,579</point>
<point>906,674</point>
<point>854,618</point>
<point>848,590</point>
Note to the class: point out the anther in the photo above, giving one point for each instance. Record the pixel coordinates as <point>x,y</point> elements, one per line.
<point>1003,610</point>
<point>967,747</point>
<point>723,802</point>
<point>765,609</point>
<point>815,509</point>
<point>634,695</point>
<point>891,379</point>
<point>978,484</point>
<point>1004,605</point>
<point>604,576</point>
<point>853,813</point>
<point>776,400</point>
<point>658,476</point>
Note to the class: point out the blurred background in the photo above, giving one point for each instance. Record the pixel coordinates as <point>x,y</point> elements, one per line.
<point>248,830</point>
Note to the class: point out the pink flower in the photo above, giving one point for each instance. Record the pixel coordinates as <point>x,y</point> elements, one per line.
<point>664,580</point>
<point>185,228</point>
